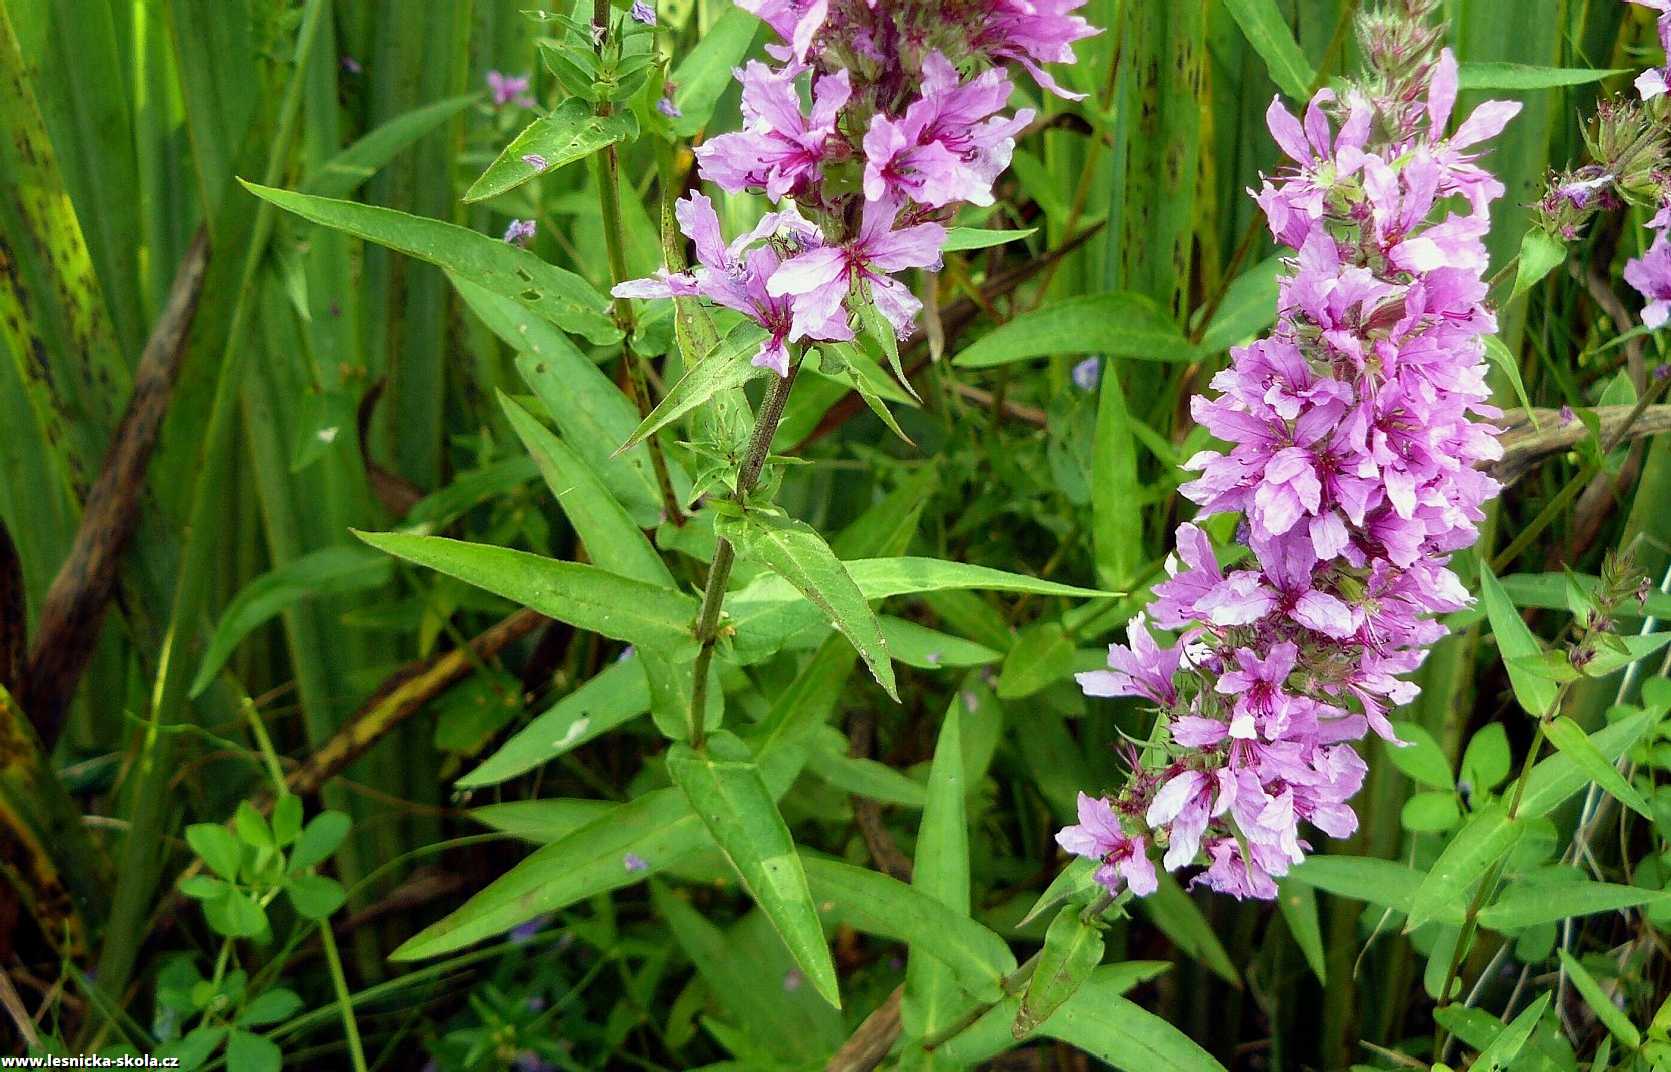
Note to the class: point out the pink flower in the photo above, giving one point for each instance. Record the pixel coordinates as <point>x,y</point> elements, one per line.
<point>1034,32</point>
<point>1653,82</point>
<point>1353,434</point>
<point>950,145</point>
<point>796,21</point>
<point>736,275</point>
<point>1143,669</point>
<point>1099,836</point>
<point>821,278</point>
<point>778,150</point>
<point>506,89</point>
<point>1650,274</point>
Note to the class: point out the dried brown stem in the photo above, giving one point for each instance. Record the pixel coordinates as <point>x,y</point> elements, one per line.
<point>1524,446</point>
<point>404,695</point>
<point>869,1045</point>
<point>75,604</point>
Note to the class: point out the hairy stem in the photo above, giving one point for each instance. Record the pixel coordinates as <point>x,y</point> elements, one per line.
<point>713,596</point>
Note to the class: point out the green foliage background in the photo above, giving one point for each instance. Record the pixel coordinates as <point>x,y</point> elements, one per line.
<point>361,389</point>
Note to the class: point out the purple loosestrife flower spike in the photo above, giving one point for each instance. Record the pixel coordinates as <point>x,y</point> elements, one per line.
<point>879,118</point>
<point>642,12</point>
<point>1356,432</point>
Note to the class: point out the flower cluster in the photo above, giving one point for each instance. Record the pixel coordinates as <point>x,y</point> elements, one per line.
<point>1656,81</point>
<point>903,120</point>
<point>1650,273</point>
<point>1354,437</point>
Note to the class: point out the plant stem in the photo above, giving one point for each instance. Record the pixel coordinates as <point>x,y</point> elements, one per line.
<point>606,168</point>
<point>339,983</point>
<point>1009,983</point>
<point>1470,919</point>
<point>713,596</point>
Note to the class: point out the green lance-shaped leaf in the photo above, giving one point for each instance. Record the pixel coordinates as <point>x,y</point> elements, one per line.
<point>615,543</point>
<point>725,788</point>
<point>964,238</point>
<point>625,845</point>
<point>590,411</point>
<point>1511,1039</point>
<point>1119,324</point>
<point>1522,76</point>
<point>1420,756</point>
<point>613,540</point>
<point>705,72</point>
<point>796,552</point>
<point>1072,948</point>
<point>1540,253</point>
<point>929,649</point>
<point>1117,535</point>
<point>1499,355</point>
<point>1298,903</point>
<point>1559,777</point>
<point>1514,641</point>
<point>1126,1035</point>
<point>1569,739</point>
<point>802,708</point>
<point>990,1035</point>
<point>1609,658</point>
<point>726,368</point>
<point>1073,879</point>
<point>1485,839</point>
<point>1527,904</point>
<point>1364,878</point>
<point>1180,919</point>
<point>331,571</point>
<point>343,173</point>
<point>748,990</point>
<point>583,596</point>
<point>559,296</point>
<point>616,696</point>
<point>828,759</point>
<point>1266,30</point>
<point>877,904</point>
<point>1249,307</point>
<point>1042,656</point>
<point>1551,591</point>
<point>571,132</point>
<point>940,870</point>
<point>541,821</point>
<point>1600,1002</point>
